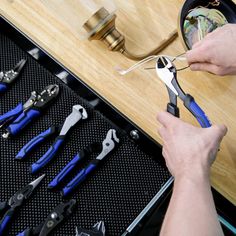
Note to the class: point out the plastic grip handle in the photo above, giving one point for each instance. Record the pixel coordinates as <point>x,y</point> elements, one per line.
<point>12,113</point>
<point>27,232</point>
<point>48,156</point>
<point>4,224</point>
<point>199,114</point>
<point>34,143</point>
<point>65,171</point>
<point>79,178</point>
<point>3,87</point>
<point>5,221</point>
<point>24,119</point>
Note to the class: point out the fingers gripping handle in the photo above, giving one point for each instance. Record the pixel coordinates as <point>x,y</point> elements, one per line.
<point>199,114</point>
<point>24,119</point>
<point>65,171</point>
<point>48,156</point>
<point>80,177</point>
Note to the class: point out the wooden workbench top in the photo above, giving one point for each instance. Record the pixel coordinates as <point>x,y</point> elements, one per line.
<point>140,94</point>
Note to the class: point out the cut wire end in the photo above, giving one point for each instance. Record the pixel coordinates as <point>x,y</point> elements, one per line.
<point>150,58</point>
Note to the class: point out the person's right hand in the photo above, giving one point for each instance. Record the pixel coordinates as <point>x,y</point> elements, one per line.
<point>189,151</point>
<point>216,53</point>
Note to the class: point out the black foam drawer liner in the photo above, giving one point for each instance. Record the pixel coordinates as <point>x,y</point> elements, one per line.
<point>116,193</point>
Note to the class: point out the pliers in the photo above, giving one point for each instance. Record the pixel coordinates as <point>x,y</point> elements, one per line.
<point>8,77</point>
<point>107,146</point>
<point>15,202</point>
<point>56,216</point>
<point>97,230</point>
<point>78,113</point>
<point>166,71</point>
<point>23,114</point>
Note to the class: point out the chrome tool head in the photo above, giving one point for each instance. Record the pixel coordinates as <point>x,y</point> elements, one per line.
<point>78,113</point>
<point>166,71</point>
<point>108,144</point>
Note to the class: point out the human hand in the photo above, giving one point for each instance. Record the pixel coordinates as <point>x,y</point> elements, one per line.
<point>216,52</point>
<point>188,151</point>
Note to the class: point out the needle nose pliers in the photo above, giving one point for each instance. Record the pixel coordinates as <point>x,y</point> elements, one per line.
<point>166,71</point>
<point>10,207</point>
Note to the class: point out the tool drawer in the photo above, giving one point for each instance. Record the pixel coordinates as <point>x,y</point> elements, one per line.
<point>117,191</point>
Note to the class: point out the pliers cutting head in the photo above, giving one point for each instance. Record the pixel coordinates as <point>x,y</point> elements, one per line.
<point>8,77</point>
<point>17,200</point>
<point>167,72</point>
<point>56,216</point>
<point>97,230</point>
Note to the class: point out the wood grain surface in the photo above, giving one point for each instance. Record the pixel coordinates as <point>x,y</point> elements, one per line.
<point>140,94</point>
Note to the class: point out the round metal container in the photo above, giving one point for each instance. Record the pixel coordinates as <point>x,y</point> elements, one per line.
<point>226,7</point>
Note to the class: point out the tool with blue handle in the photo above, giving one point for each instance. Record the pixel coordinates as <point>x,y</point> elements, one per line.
<point>36,141</point>
<point>166,71</point>
<point>23,114</point>
<point>66,171</point>
<point>108,145</point>
<point>97,230</point>
<point>8,77</point>
<point>8,209</point>
<point>78,114</point>
<point>59,214</point>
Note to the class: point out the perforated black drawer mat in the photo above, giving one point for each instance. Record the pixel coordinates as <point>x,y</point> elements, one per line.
<point>116,193</point>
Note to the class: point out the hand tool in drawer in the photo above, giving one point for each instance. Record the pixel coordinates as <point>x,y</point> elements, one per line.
<point>97,230</point>
<point>80,157</point>
<point>60,213</point>
<point>15,202</point>
<point>78,113</point>
<point>166,71</point>
<point>108,145</point>
<point>23,114</point>
<point>8,77</point>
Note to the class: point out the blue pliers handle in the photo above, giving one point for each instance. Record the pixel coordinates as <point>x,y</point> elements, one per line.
<point>18,118</point>
<point>35,142</point>
<point>48,156</point>
<point>167,72</point>
<point>3,87</point>
<point>80,177</point>
<point>65,171</point>
<point>196,110</point>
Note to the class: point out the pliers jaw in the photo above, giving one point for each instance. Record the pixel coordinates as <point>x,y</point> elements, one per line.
<point>9,77</point>
<point>46,96</point>
<point>167,72</point>
<point>108,144</point>
<point>23,194</point>
<point>97,230</point>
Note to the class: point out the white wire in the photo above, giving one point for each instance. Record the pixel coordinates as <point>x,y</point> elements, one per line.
<point>145,60</point>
